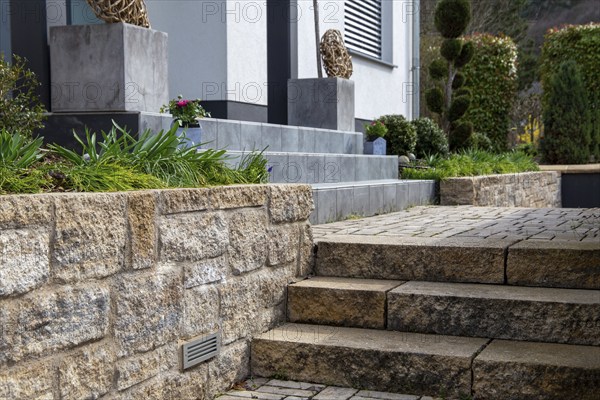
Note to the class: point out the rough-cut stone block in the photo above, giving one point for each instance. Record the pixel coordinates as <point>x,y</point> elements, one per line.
<point>31,381</point>
<point>46,322</point>
<point>230,367</point>
<point>147,310</point>
<point>290,203</point>
<point>24,263</point>
<point>455,192</point>
<point>248,240</point>
<point>377,360</point>
<point>90,236</point>
<point>225,197</point>
<point>87,374</point>
<point>200,311</point>
<point>565,264</point>
<point>171,386</point>
<point>108,67</point>
<point>193,237</point>
<point>25,210</point>
<point>306,260</point>
<point>491,311</point>
<point>141,217</point>
<point>178,201</point>
<point>133,370</point>
<point>531,371</point>
<point>340,302</point>
<point>283,242</point>
<point>401,258</point>
<point>203,272</point>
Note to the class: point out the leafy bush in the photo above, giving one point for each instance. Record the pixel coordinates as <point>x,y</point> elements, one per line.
<point>20,107</point>
<point>452,17</point>
<point>579,43</point>
<point>401,137</point>
<point>492,77</point>
<point>473,163</point>
<point>480,141</point>
<point>430,138</point>
<point>375,130</point>
<point>567,118</point>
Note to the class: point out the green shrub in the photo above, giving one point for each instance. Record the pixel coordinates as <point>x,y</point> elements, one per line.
<point>438,69</point>
<point>20,107</point>
<point>579,43</point>
<point>492,77</point>
<point>430,138</point>
<point>458,108</point>
<point>401,137</point>
<point>451,49</point>
<point>480,141</point>
<point>461,134</point>
<point>567,118</point>
<point>452,17</point>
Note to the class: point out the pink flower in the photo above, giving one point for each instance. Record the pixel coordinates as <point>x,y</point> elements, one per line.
<point>182,103</point>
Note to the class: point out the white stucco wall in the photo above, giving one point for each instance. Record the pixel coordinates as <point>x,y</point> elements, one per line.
<point>380,89</point>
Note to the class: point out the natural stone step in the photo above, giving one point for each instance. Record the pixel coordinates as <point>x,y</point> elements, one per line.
<point>567,264</point>
<point>340,301</point>
<point>533,371</point>
<point>412,258</point>
<point>370,359</point>
<point>494,311</point>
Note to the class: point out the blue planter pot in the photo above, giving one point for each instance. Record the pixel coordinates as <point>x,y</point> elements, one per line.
<point>377,147</point>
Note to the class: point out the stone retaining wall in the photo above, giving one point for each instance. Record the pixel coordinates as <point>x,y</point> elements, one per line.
<point>98,291</point>
<point>528,189</point>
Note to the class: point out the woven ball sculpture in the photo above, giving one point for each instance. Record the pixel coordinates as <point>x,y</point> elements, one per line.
<point>128,11</point>
<point>337,61</point>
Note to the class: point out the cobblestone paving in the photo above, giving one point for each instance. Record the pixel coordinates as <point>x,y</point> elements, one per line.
<point>274,389</point>
<point>547,224</point>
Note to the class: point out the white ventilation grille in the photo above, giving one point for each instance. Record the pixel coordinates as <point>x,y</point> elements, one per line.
<point>362,25</point>
<point>200,350</point>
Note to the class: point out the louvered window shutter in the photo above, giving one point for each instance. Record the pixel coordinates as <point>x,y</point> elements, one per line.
<point>362,25</point>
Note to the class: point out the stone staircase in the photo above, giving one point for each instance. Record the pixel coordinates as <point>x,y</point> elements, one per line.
<point>345,181</point>
<point>437,317</point>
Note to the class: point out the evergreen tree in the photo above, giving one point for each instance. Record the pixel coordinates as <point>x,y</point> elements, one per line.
<point>567,118</point>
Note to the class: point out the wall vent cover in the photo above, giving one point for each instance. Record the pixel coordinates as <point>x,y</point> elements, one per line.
<point>200,350</point>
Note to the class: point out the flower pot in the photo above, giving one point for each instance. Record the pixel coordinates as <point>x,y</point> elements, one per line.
<point>376,147</point>
<point>192,133</point>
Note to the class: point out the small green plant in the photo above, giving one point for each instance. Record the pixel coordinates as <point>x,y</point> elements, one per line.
<point>567,118</point>
<point>480,141</point>
<point>402,135</point>
<point>375,130</point>
<point>451,19</point>
<point>185,112</point>
<point>20,107</point>
<point>430,138</point>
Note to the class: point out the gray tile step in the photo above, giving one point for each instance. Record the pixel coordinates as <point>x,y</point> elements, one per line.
<point>339,201</point>
<point>496,311</point>
<point>335,301</point>
<point>320,168</point>
<point>532,371</point>
<point>411,258</point>
<point>248,136</point>
<point>370,359</point>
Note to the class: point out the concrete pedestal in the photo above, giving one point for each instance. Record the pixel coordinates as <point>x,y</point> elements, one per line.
<point>108,67</point>
<point>321,103</point>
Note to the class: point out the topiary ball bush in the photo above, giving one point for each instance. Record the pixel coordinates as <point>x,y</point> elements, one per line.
<point>402,135</point>
<point>452,17</point>
<point>459,81</point>
<point>460,134</point>
<point>451,49</point>
<point>430,138</point>
<point>463,91</point>
<point>438,69</point>
<point>466,55</point>
<point>435,99</point>
<point>458,108</point>
<point>480,141</point>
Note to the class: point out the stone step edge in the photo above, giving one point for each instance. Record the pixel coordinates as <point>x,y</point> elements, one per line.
<point>506,353</point>
<point>566,264</point>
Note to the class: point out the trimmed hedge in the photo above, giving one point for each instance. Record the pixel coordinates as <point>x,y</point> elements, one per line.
<point>579,43</point>
<point>401,137</point>
<point>492,77</point>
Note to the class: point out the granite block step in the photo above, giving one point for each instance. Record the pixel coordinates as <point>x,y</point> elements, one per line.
<point>375,360</point>
<point>340,302</point>
<point>411,258</point>
<point>494,311</point>
<point>533,371</point>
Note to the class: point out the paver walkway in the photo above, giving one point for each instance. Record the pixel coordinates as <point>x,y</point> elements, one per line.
<point>273,389</point>
<point>494,223</point>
